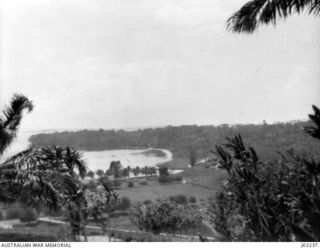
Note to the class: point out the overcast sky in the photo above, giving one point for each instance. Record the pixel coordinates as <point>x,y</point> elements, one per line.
<point>127,63</point>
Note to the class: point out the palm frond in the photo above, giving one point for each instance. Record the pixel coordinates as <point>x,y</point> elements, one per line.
<point>11,119</point>
<point>257,12</point>
<point>314,131</point>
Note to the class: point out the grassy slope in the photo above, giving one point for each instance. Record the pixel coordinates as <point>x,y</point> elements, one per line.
<point>201,183</point>
<point>176,163</point>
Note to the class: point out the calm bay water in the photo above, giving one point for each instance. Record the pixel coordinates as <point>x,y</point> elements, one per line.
<point>129,157</point>
<point>99,159</point>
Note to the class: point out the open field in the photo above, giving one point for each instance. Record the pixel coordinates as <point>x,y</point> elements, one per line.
<point>201,183</point>
<point>176,163</point>
<point>155,190</point>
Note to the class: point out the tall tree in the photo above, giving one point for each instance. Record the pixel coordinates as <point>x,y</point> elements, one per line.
<point>99,173</point>
<point>115,168</point>
<point>49,177</point>
<point>257,12</point>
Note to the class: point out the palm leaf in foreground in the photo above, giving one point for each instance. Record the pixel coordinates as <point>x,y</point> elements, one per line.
<point>10,121</point>
<point>257,12</point>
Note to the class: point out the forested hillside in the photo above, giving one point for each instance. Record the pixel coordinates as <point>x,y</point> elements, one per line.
<point>181,140</point>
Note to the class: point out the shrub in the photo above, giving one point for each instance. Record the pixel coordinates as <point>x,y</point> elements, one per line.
<point>163,171</point>
<point>143,183</point>
<point>166,216</point>
<point>29,215</point>
<point>14,213</point>
<point>130,184</point>
<point>268,201</point>
<point>124,203</point>
<point>192,199</point>
<point>180,199</point>
<point>116,183</point>
<point>91,185</point>
<point>178,178</point>
<point>146,201</point>
<point>169,178</point>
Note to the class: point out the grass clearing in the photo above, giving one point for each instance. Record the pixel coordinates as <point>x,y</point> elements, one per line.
<point>176,163</point>
<point>201,183</point>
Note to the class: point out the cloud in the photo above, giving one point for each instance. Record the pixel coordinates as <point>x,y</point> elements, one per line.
<point>149,62</point>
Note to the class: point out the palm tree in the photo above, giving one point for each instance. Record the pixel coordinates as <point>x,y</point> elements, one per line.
<point>48,176</point>
<point>257,12</point>
<point>11,119</point>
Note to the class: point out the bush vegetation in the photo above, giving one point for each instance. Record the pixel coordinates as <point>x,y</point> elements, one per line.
<point>268,200</point>
<point>124,203</point>
<point>29,215</point>
<point>180,199</point>
<point>14,213</point>
<point>170,178</point>
<point>192,199</point>
<point>266,138</point>
<point>165,215</point>
<point>92,185</point>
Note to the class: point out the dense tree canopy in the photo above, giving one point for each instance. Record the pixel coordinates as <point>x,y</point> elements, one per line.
<point>266,138</point>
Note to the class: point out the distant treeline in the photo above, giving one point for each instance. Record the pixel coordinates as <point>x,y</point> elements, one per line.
<point>181,140</point>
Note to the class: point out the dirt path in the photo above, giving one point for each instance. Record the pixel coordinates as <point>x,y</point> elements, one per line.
<point>216,235</point>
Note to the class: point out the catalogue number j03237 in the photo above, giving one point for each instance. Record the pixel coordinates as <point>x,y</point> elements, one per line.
<point>309,245</point>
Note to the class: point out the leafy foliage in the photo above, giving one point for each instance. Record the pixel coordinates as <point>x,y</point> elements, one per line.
<point>256,12</point>
<point>268,201</point>
<point>49,176</point>
<point>103,202</point>
<point>180,199</point>
<point>10,121</point>
<point>192,199</point>
<point>163,171</point>
<point>90,174</point>
<point>165,215</point>
<point>29,215</point>
<point>124,203</point>
<point>314,131</point>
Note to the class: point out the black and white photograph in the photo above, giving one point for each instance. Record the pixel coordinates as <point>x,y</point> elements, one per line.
<point>159,121</point>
